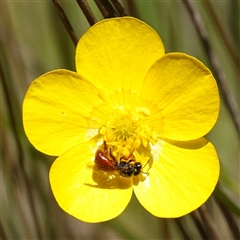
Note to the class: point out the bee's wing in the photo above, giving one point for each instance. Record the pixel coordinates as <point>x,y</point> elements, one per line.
<point>104,168</point>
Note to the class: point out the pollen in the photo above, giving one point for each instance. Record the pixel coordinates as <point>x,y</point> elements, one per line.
<point>126,130</point>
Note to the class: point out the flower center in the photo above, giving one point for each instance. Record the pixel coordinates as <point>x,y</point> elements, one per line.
<point>125,130</point>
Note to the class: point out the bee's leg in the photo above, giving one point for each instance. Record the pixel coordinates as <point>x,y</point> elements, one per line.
<point>114,160</point>
<point>105,147</point>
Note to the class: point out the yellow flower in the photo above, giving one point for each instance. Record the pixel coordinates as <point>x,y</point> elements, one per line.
<point>131,103</point>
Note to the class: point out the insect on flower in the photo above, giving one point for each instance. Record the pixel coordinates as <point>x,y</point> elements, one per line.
<point>147,113</point>
<point>127,167</point>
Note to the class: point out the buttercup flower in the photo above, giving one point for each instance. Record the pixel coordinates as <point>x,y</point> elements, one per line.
<point>132,118</point>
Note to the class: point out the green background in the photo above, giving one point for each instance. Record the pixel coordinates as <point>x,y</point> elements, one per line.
<point>34,41</point>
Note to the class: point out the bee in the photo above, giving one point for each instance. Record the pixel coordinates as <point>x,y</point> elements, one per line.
<point>126,167</point>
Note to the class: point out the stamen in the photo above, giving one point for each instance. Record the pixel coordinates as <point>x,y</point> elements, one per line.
<point>125,130</point>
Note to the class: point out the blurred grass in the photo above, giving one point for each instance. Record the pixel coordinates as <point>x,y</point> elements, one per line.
<point>34,41</point>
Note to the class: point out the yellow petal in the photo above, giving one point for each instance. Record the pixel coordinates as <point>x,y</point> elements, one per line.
<point>87,195</point>
<point>117,53</point>
<point>181,179</point>
<point>183,92</point>
<point>57,111</point>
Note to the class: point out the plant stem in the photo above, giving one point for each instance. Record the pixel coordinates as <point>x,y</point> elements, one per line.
<point>229,220</point>
<point>179,224</point>
<point>220,77</point>
<point>223,34</point>
<point>3,234</point>
<point>208,223</point>
<point>106,8</point>
<point>20,152</point>
<point>131,6</point>
<point>87,11</point>
<point>119,7</point>
<point>199,225</point>
<point>65,21</point>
